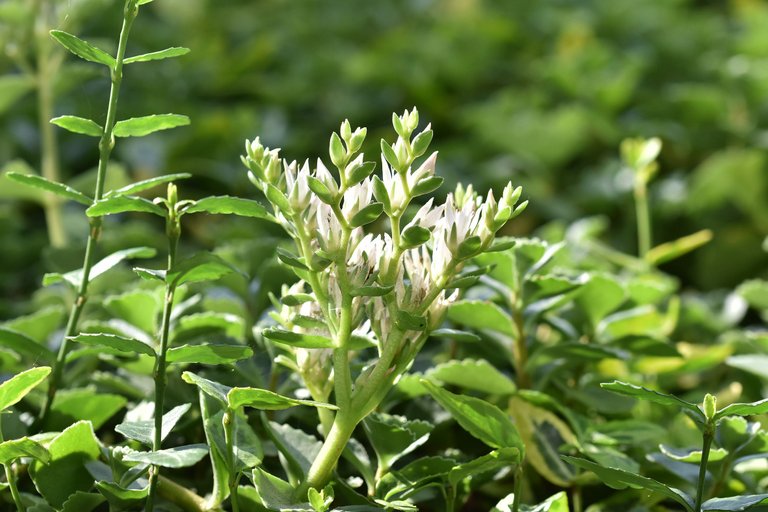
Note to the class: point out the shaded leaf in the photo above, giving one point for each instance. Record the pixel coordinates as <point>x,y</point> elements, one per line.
<point>474,374</point>
<point>179,457</point>
<point>24,447</point>
<point>392,437</point>
<point>143,431</point>
<point>71,405</point>
<point>74,278</point>
<point>83,49</point>
<point>201,267</point>
<point>127,345</point>
<point>208,354</point>
<point>642,393</point>
<point>494,461</point>
<point>296,339</point>
<point>59,189</point>
<point>481,315</point>
<point>734,503</point>
<point>25,346</point>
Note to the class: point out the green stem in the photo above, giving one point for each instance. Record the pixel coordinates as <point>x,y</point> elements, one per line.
<point>106,143</point>
<point>709,435</point>
<point>161,378</point>
<point>181,496</point>
<point>643,218</point>
<point>234,475</point>
<point>517,489</point>
<point>576,496</point>
<point>322,467</point>
<point>49,164</point>
<point>521,349</point>
<point>9,477</point>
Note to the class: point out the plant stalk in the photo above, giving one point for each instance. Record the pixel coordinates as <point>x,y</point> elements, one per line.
<point>643,215</point>
<point>9,477</point>
<point>161,378</point>
<point>709,435</point>
<point>323,465</point>
<point>49,164</point>
<point>517,489</point>
<point>106,143</point>
<point>234,475</point>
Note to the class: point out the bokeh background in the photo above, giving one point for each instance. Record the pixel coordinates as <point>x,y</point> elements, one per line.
<point>539,93</point>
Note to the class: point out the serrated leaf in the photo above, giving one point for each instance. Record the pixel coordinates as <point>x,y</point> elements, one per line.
<point>393,437</point>
<point>474,374</point>
<point>494,461</point>
<point>692,455</point>
<point>168,53</point>
<point>121,343</point>
<point>143,431</point>
<point>75,277</point>
<point>147,184</point>
<point>483,420</point>
<point>23,447</point>
<point>122,204</point>
<point>25,346</point>
<point>481,315</point>
<point>297,339</point>
<point>65,473</point>
<point>211,388</point>
<point>83,49</point>
<point>266,400</point>
<point>620,479</point>
<point>543,434</point>
<point>17,387</point>
<point>230,205</point>
<point>82,502</point>
<point>743,409</point>
<point>200,267</point>
<point>141,126</point>
<point>179,457</point>
<point>79,125</point>
<point>642,393</point>
<point>59,189</point>
<point>208,354</point>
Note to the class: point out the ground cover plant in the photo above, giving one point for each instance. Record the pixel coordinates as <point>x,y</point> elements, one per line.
<point>373,343</point>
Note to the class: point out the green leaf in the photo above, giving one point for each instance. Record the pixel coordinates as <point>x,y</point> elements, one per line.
<point>24,447</point>
<point>179,457</point>
<point>147,184</point>
<point>123,344</point>
<point>556,503</point>
<point>494,461</point>
<point>319,189</point>
<point>83,49</point>
<point>393,437</point>
<point>140,308</point>
<point>12,88</point>
<point>65,474</point>
<point>600,296</point>
<point>143,431</point>
<point>620,479</point>
<point>414,236</point>
<point>277,198</point>
<point>267,400</point>
<point>296,339</point>
<point>477,375</point>
<point>481,315</point>
<point>640,321</point>
<point>755,292</point>
<point>672,250</point>
<point>290,259</point>
<point>453,334</point>
<point>543,434</point>
<point>200,267</point>
<point>692,455</point>
<point>734,503</point>
<point>469,247</point>
<point>421,142</point>
<point>360,172</point>
<point>17,387</point>
<point>208,354</point>
<point>75,277</point>
<point>642,393</point>
<point>372,291</point>
<point>82,502</point>
<point>141,126</point>
<point>209,387</point>
<point>212,412</point>
<point>168,53</point>
<point>71,405</point>
<point>230,206</point>
<point>416,475</point>
<point>408,321</point>
<point>756,364</point>
<point>275,493</point>
<point>122,204</point>
<point>367,215</point>
<point>59,189</point>
<point>246,444</point>
<point>122,498</point>
<point>381,194</point>
<point>483,420</point>
<point>25,346</point>
<point>742,409</point>
<point>298,447</point>
<point>79,125</point>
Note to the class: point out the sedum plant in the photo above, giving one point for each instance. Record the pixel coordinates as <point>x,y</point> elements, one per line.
<point>372,275</point>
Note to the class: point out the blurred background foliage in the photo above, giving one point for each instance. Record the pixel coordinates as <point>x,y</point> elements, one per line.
<point>540,93</point>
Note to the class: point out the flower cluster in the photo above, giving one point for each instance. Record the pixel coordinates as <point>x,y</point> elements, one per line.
<point>391,285</point>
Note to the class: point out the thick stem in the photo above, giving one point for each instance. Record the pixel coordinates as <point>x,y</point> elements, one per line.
<point>106,143</point>
<point>323,465</point>
<point>518,487</point>
<point>161,378</point>
<point>643,218</point>
<point>576,496</point>
<point>181,496</point>
<point>49,164</point>
<point>709,435</point>
<point>521,350</point>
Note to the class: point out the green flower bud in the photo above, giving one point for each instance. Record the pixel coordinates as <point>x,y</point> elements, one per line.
<point>710,406</point>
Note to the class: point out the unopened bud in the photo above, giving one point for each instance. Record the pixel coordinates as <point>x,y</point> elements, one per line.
<point>710,406</point>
